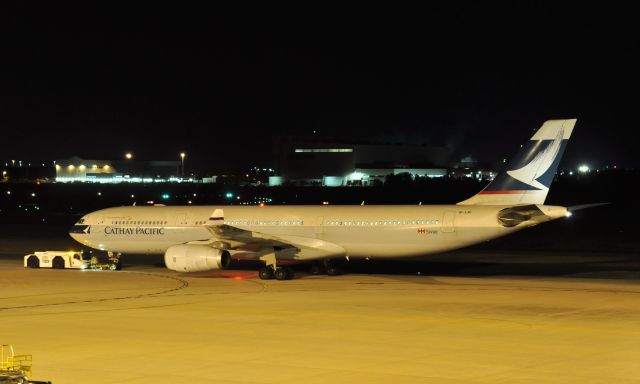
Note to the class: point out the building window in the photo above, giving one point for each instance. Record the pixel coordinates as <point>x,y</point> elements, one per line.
<point>324,150</point>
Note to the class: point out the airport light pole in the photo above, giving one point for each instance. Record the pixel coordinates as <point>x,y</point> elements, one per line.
<point>128,156</point>
<point>182,155</point>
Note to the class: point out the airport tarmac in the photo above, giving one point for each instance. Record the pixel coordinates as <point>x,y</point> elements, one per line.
<point>477,324</point>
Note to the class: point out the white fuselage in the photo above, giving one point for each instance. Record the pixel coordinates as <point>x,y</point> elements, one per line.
<point>360,231</point>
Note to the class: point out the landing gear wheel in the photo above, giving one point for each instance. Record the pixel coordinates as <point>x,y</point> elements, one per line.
<point>290,273</point>
<point>58,263</point>
<point>316,269</point>
<point>33,262</point>
<point>265,273</point>
<point>280,274</point>
<point>283,274</point>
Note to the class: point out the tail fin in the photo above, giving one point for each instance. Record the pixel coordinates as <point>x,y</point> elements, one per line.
<point>527,178</point>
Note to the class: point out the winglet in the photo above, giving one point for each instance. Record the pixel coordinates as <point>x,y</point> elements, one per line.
<point>216,218</point>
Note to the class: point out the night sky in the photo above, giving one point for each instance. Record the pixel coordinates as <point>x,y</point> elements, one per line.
<point>220,81</point>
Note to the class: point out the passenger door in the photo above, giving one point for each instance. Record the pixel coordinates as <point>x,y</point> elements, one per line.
<point>448,225</point>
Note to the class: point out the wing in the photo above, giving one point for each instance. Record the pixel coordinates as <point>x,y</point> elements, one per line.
<point>252,244</point>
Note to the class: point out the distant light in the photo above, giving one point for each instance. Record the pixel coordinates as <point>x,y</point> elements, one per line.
<point>261,205</point>
<point>583,168</point>
<point>33,194</point>
<point>322,150</point>
<point>195,194</point>
<point>238,197</point>
<point>568,214</point>
<point>165,196</point>
<point>570,172</point>
<point>132,196</point>
<point>150,202</point>
<point>189,201</point>
<point>99,193</point>
<point>229,195</point>
<point>182,155</point>
<point>325,203</point>
<point>128,156</point>
<point>8,192</point>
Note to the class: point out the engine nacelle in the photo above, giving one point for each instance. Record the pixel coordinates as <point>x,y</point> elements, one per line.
<point>196,258</point>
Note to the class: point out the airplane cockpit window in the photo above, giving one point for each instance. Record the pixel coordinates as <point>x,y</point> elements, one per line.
<point>81,221</point>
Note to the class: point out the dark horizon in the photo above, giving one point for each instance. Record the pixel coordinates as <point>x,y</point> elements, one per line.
<point>220,82</point>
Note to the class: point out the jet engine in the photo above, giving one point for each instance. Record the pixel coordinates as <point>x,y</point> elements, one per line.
<point>196,258</point>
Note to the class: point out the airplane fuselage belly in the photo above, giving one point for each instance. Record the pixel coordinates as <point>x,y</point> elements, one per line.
<point>363,231</point>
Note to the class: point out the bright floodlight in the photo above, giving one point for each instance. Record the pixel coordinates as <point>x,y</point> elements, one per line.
<point>583,168</point>
<point>182,155</point>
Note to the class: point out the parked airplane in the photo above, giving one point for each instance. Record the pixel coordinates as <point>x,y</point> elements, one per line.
<point>201,238</point>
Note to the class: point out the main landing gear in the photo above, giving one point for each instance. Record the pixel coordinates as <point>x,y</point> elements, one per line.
<point>272,270</point>
<point>325,267</point>
<point>280,273</point>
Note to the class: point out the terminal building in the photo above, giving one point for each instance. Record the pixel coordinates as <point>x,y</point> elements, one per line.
<point>76,169</point>
<point>324,161</point>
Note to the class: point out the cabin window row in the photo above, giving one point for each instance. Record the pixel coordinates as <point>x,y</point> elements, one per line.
<point>265,222</point>
<point>382,222</point>
<point>138,222</point>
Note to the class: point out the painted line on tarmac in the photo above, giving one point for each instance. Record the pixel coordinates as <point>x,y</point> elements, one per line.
<point>182,285</point>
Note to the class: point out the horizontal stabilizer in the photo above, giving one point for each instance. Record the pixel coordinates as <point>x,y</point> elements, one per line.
<point>585,206</point>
